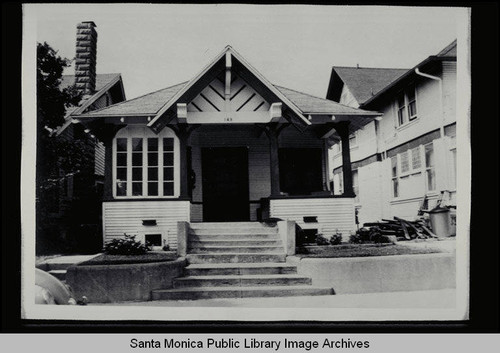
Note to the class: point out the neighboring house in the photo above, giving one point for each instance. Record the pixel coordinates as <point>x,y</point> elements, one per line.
<point>98,91</point>
<point>226,146</point>
<point>410,152</point>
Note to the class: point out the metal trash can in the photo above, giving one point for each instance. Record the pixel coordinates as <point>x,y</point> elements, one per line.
<point>440,221</point>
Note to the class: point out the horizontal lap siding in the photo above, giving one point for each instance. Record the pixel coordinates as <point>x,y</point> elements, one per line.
<point>126,217</point>
<point>332,213</point>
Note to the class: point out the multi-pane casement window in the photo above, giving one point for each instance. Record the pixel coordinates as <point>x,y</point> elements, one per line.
<point>412,172</point>
<point>145,164</point>
<point>406,103</point>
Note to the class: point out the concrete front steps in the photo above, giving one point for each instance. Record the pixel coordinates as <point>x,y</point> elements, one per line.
<point>237,260</point>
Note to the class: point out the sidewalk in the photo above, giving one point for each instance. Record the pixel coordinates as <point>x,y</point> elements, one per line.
<point>430,299</point>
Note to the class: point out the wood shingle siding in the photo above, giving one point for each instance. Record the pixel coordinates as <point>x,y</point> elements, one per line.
<point>333,213</point>
<point>121,217</point>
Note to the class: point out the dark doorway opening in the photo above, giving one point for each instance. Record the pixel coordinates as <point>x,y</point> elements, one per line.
<point>225,184</point>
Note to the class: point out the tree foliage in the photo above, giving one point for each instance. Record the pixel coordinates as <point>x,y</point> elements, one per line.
<point>59,158</point>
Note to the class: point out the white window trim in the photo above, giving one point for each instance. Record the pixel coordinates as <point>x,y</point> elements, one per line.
<point>143,132</point>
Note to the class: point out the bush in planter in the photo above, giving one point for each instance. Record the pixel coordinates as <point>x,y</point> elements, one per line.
<point>336,239</point>
<point>355,238</point>
<point>126,246</point>
<point>321,240</point>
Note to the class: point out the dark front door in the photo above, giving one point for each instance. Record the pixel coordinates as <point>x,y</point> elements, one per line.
<point>225,184</point>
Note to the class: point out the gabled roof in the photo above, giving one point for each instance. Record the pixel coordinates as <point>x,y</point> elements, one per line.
<point>310,104</point>
<point>364,82</point>
<point>148,104</point>
<point>151,103</point>
<point>103,83</point>
<point>219,63</point>
<point>155,104</point>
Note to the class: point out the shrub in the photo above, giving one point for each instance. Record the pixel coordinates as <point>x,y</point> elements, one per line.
<point>377,237</point>
<point>321,240</point>
<point>336,238</point>
<point>126,246</point>
<point>355,238</point>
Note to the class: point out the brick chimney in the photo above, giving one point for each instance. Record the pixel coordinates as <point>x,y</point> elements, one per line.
<point>86,50</point>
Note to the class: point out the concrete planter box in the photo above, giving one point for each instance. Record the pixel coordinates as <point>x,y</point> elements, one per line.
<point>117,283</point>
<point>380,273</point>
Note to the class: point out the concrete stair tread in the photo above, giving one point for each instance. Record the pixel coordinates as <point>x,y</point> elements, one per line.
<point>238,265</point>
<point>258,276</point>
<point>235,253</point>
<point>228,225</point>
<point>238,288</point>
<point>240,246</point>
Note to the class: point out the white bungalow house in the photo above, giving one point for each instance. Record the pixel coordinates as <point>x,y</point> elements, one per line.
<point>227,146</point>
<point>410,153</point>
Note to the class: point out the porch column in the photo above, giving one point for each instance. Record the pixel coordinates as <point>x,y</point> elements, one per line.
<point>183,135</point>
<point>183,131</point>
<point>343,131</point>
<point>272,132</point>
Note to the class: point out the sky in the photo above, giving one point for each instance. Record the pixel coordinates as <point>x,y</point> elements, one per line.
<point>157,46</point>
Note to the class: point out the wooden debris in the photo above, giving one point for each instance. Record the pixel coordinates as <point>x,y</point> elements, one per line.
<point>402,228</point>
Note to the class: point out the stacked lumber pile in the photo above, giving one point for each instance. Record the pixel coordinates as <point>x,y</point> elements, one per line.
<point>401,228</point>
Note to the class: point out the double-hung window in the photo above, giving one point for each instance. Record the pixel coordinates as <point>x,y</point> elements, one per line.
<point>402,119</point>
<point>145,164</point>
<point>412,172</point>
<point>406,102</point>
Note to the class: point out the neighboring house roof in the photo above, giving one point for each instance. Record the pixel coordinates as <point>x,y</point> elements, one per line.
<point>103,83</point>
<point>364,82</point>
<point>449,53</point>
<point>450,50</point>
<point>369,85</point>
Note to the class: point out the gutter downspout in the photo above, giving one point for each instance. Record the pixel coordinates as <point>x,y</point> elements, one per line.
<point>441,128</point>
<point>435,78</point>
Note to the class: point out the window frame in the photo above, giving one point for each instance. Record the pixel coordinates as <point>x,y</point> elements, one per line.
<point>403,111</point>
<point>133,132</point>
<point>421,170</point>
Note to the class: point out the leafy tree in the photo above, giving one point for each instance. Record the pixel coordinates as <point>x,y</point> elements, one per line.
<point>58,158</point>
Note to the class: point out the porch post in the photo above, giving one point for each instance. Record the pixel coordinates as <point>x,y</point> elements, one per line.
<point>272,133</point>
<point>183,135</point>
<point>343,131</point>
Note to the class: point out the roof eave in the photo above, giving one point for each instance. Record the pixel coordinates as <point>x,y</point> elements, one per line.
<point>406,75</point>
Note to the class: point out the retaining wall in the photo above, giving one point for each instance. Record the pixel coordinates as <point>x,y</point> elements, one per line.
<point>117,283</point>
<point>381,273</point>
